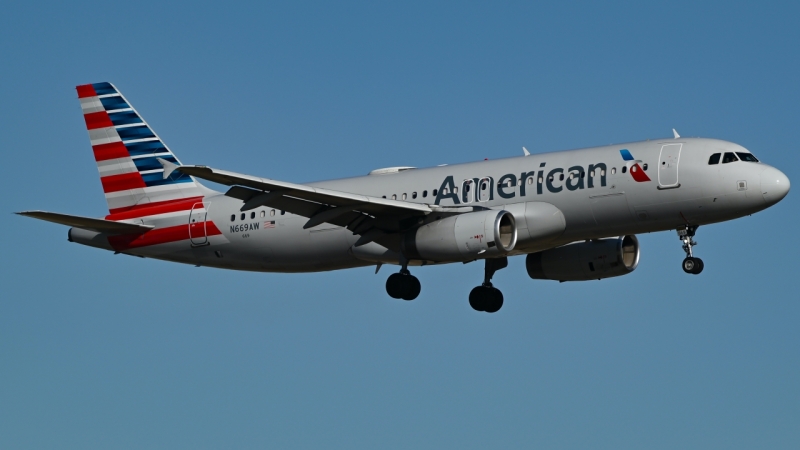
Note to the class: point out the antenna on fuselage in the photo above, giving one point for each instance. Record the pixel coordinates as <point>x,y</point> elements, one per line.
<point>525,150</point>
<point>675,134</point>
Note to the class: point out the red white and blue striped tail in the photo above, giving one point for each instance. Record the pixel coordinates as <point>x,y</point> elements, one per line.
<point>126,150</point>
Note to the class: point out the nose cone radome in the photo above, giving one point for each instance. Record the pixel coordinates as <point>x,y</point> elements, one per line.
<point>774,185</point>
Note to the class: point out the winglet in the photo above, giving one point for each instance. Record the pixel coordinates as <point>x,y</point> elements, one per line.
<point>168,167</point>
<point>525,150</point>
<point>675,133</point>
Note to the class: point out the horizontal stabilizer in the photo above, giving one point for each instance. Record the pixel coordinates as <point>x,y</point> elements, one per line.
<point>88,223</point>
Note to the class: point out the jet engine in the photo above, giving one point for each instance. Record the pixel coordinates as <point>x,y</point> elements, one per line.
<point>463,237</point>
<point>589,260</point>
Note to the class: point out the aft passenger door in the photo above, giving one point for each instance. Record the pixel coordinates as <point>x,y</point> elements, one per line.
<point>668,166</point>
<point>197,225</point>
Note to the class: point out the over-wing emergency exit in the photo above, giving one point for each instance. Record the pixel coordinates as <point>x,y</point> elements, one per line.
<point>574,214</point>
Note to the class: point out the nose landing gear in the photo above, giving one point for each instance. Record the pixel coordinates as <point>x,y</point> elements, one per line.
<point>690,264</point>
<point>486,297</point>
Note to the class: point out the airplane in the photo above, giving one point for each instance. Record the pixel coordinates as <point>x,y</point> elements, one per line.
<point>574,214</point>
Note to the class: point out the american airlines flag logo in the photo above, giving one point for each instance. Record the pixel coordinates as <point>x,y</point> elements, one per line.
<point>269,224</point>
<point>634,166</point>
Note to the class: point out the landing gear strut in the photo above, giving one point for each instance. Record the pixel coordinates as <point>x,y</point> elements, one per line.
<point>403,284</point>
<point>487,297</point>
<point>690,264</point>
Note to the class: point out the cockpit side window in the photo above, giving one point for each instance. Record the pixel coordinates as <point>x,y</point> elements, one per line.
<point>714,159</point>
<point>729,158</point>
<point>747,157</point>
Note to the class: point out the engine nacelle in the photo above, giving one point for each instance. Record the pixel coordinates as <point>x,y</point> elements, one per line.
<point>479,234</point>
<point>538,223</point>
<point>582,261</point>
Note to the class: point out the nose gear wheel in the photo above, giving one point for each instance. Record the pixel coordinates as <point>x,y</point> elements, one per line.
<point>693,265</point>
<point>690,264</point>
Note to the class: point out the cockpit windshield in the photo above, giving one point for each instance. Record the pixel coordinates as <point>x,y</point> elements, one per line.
<point>747,157</point>
<point>729,158</point>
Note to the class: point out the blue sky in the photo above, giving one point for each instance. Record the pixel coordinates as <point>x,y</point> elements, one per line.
<point>98,350</point>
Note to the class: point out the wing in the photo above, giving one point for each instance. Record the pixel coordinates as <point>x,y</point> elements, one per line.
<point>88,223</point>
<point>370,217</point>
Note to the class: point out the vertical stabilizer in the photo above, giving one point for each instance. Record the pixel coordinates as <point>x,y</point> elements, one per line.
<point>126,150</point>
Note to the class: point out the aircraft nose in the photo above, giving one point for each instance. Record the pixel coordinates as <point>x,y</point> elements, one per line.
<point>774,185</point>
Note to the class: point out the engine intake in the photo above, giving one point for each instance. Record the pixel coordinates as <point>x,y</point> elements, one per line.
<point>582,261</point>
<point>479,234</point>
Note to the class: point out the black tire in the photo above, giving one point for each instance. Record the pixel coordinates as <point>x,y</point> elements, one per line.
<point>689,265</point>
<point>477,298</point>
<point>395,286</point>
<point>412,287</point>
<point>495,300</point>
<point>699,267</point>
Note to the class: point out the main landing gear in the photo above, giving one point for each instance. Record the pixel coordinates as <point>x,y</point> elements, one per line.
<point>403,285</point>
<point>690,264</point>
<point>487,297</point>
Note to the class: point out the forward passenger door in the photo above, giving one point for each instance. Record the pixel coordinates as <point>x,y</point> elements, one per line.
<point>668,166</point>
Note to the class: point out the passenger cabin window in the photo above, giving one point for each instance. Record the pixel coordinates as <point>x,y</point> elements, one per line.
<point>413,195</point>
<point>424,194</point>
<point>405,196</point>
<point>263,213</point>
<point>243,216</point>
<point>714,159</point>
<point>394,196</point>
<point>729,158</point>
<point>746,157</point>
<point>482,195</point>
<point>283,212</point>
<point>435,192</point>
<point>624,169</point>
<point>233,217</point>
<point>272,212</point>
<point>466,192</point>
<point>613,171</point>
<point>644,167</point>
<point>253,215</point>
